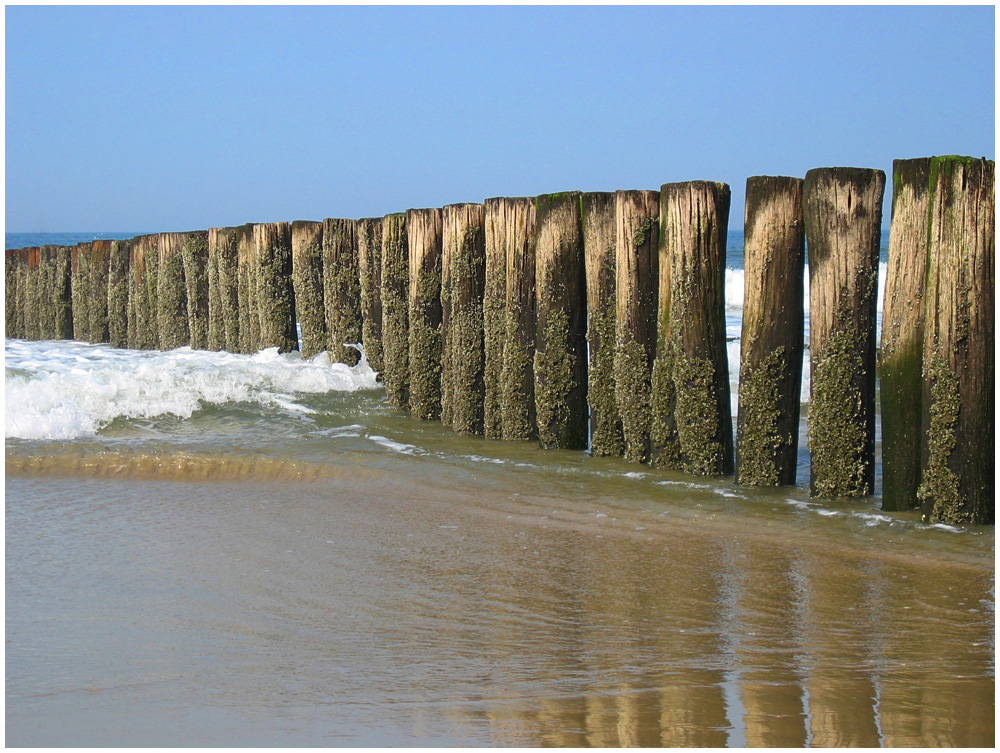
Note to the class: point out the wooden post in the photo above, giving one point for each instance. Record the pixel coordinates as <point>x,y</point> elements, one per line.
<point>494,314</point>
<point>369,232</point>
<point>843,217</point>
<point>194,258</point>
<point>216,324</point>
<point>100,251</point>
<point>80,291</point>
<point>11,314</point>
<point>151,254</point>
<point>47,298</point>
<point>900,357</point>
<point>118,287</point>
<point>958,469</point>
<point>637,215</point>
<point>342,289</point>
<point>24,297</point>
<point>223,249</point>
<point>767,425</point>
<point>463,278</point>
<point>142,326</point>
<point>423,232</point>
<point>171,293</point>
<point>61,293</point>
<point>307,278</point>
<point>395,310</point>
<point>599,250</point>
<point>247,290</point>
<point>275,296</point>
<point>692,425</point>
<point>561,337</point>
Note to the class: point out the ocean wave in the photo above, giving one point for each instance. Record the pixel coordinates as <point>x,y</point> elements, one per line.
<point>66,390</point>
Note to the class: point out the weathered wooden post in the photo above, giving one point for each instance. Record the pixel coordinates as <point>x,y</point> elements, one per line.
<point>597,212</point>
<point>342,289</point>
<point>395,310</point>
<point>276,299</point>
<point>118,288</point>
<point>46,286</point>
<point>223,249</point>
<point>80,291</point>
<point>692,424</point>
<point>307,279</point>
<point>900,357</point>
<point>194,257</point>
<point>171,293</point>
<point>561,330</point>
<point>24,293</point>
<point>151,253</point>
<point>12,319</point>
<point>142,326</point>
<point>637,215</point>
<point>248,289</point>
<point>517,374</point>
<point>843,217</point>
<point>369,235</point>
<point>61,293</point>
<point>494,314</point>
<point>463,277</point>
<point>100,251</point>
<point>958,470</point>
<point>423,231</point>
<point>767,424</point>
<point>216,324</point>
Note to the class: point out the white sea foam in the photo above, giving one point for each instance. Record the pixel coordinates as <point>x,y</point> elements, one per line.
<point>64,390</point>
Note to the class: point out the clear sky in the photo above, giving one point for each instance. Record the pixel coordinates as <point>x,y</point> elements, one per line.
<point>180,118</point>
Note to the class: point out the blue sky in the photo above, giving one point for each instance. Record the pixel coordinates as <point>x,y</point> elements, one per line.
<point>180,118</point>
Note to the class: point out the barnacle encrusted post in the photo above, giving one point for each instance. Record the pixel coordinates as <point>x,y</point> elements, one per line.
<point>118,289</point>
<point>369,236</point>
<point>692,425</point>
<point>100,251</point>
<point>140,316</point>
<point>12,316</point>
<point>171,293</point>
<point>767,423</point>
<point>517,375</point>
<point>341,289</point>
<point>247,292</point>
<point>637,215</point>
<point>194,254</point>
<point>31,288</point>
<point>463,266</point>
<point>597,216</point>
<point>275,295</point>
<point>395,310</point>
<point>494,314</point>
<point>423,232</point>
<point>80,292</point>
<point>842,207</point>
<point>307,282</point>
<point>223,246</point>
<point>958,423</point>
<point>216,336</point>
<point>561,327</point>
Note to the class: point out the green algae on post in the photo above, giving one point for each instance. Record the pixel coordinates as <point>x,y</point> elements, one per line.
<point>118,289</point>
<point>369,237</point>
<point>843,216</point>
<point>224,317</point>
<point>247,290</point>
<point>194,254</point>
<point>171,293</point>
<point>11,313</point>
<point>80,292</point>
<point>494,314</point>
<point>597,217</point>
<point>275,295</point>
<point>342,289</point>
<point>307,283</point>
<point>770,387</point>
<point>423,230</point>
<point>216,337</point>
<point>395,310</point>
<point>561,303</point>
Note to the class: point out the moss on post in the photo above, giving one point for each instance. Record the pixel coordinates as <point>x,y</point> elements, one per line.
<point>275,296</point>
<point>958,425</point>
<point>171,293</point>
<point>307,282</point>
<point>118,293</point>
<point>342,289</point>
<point>561,308</point>
<point>770,388</point>
<point>423,230</point>
<point>636,272</point>
<point>597,212</point>
<point>369,237</point>
<point>395,310</point>
<point>843,217</point>
<point>691,415</point>
<point>463,280</point>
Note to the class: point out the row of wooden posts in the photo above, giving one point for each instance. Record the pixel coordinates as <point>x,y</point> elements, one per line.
<point>598,319</point>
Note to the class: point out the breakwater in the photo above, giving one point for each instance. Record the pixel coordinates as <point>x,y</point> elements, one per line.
<point>598,318</point>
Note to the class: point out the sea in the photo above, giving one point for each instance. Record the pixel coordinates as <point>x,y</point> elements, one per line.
<point>257,550</point>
